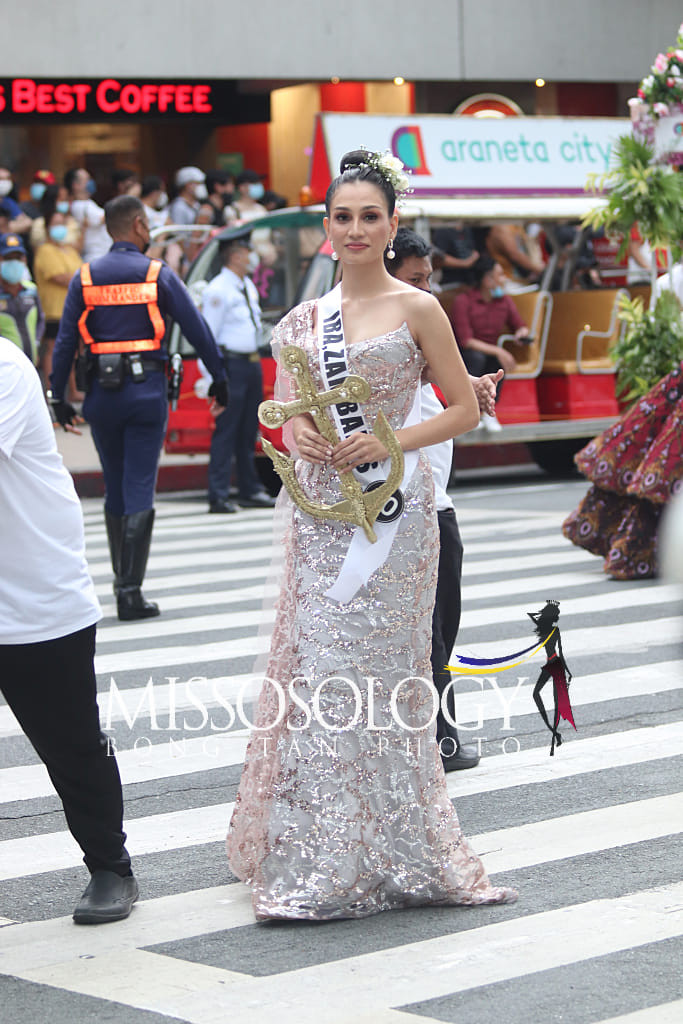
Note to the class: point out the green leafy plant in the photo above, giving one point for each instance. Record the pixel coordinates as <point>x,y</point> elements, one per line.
<point>643,192</point>
<point>650,347</point>
<point>638,190</point>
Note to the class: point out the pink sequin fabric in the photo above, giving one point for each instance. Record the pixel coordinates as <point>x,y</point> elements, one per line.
<point>342,811</point>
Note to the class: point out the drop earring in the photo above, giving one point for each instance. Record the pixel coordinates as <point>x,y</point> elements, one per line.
<point>334,255</point>
<point>391,255</point>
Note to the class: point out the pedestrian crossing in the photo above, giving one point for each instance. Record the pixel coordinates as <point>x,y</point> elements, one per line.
<point>590,837</point>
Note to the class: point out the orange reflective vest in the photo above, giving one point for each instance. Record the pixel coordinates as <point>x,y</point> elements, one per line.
<point>141,293</point>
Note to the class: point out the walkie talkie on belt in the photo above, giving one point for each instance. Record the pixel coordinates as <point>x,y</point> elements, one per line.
<point>175,379</point>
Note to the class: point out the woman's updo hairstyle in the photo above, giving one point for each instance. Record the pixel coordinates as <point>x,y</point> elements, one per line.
<point>357,166</point>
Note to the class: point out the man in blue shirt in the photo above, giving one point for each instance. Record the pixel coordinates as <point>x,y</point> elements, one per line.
<point>116,307</point>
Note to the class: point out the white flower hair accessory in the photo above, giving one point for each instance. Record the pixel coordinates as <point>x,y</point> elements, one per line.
<point>392,170</point>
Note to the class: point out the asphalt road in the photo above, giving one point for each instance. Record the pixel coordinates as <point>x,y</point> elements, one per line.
<point>588,837</point>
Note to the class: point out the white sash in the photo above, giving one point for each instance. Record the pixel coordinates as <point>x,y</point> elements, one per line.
<point>363,557</point>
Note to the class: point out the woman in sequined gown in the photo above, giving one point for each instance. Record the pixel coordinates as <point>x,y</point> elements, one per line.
<point>344,812</point>
<point>635,467</point>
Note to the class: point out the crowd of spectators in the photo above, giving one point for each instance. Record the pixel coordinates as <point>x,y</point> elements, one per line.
<point>60,225</point>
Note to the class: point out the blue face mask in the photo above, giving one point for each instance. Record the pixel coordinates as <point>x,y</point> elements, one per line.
<point>497,292</point>
<point>62,207</point>
<point>13,271</point>
<point>256,190</point>
<point>91,187</point>
<point>58,232</point>
<point>37,191</point>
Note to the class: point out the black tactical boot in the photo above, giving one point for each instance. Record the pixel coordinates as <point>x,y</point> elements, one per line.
<point>135,542</point>
<point>114,534</point>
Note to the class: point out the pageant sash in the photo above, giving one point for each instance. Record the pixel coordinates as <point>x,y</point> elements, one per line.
<point>363,557</point>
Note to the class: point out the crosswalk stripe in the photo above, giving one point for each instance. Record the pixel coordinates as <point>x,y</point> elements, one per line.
<point>169,625</point>
<point>204,570</point>
<point>219,554</point>
<point>666,1013</point>
<point>392,977</point>
<point>588,640</point>
<point>175,830</point>
<point>180,755</point>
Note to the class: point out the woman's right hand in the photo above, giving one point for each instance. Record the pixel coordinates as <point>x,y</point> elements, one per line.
<point>311,444</point>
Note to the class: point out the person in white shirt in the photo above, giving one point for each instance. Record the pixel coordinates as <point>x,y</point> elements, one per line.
<point>411,263</point>
<point>96,239</point>
<point>230,304</point>
<point>673,282</point>
<point>48,612</point>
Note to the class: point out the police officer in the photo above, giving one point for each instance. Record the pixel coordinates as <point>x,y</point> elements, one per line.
<point>21,315</point>
<point>116,306</point>
<point>230,303</point>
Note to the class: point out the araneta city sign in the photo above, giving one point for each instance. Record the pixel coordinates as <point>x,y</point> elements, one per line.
<point>461,156</point>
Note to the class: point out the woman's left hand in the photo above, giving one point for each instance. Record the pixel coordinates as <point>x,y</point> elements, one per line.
<point>357,450</point>
<point>485,390</point>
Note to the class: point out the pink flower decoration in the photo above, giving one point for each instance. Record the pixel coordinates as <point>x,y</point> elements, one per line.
<point>661,109</point>
<point>671,82</point>
<point>641,94</point>
<point>660,62</point>
<point>679,54</point>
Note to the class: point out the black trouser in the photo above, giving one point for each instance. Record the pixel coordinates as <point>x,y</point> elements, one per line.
<point>235,432</point>
<point>446,619</point>
<point>51,689</point>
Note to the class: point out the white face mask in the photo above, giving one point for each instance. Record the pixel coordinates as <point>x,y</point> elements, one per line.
<point>162,201</point>
<point>6,186</point>
<point>254,261</point>
<point>200,193</point>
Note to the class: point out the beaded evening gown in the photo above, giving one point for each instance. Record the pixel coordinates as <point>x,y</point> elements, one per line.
<point>344,812</point>
<point>635,467</point>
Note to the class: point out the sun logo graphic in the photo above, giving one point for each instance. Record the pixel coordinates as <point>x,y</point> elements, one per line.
<point>406,144</point>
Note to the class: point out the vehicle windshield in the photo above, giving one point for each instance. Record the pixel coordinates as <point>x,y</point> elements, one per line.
<point>284,244</point>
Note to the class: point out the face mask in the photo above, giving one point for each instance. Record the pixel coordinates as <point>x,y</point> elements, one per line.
<point>497,292</point>
<point>58,232</point>
<point>37,191</point>
<point>228,198</point>
<point>162,201</point>
<point>62,207</point>
<point>256,190</point>
<point>6,186</point>
<point>200,192</point>
<point>13,271</point>
<point>91,187</point>
<point>254,261</point>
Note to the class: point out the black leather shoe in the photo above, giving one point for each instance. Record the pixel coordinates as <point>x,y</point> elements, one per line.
<point>223,507</point>
<point>464,757</point>
<point>258,500</point>
<point>109,897</point>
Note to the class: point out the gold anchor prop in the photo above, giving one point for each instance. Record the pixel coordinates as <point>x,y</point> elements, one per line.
<point>358,508</point>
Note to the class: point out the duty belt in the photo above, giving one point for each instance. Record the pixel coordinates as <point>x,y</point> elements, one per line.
<point>252,357</point>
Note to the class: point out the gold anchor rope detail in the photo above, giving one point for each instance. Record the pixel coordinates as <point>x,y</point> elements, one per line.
<point>357,508</point>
